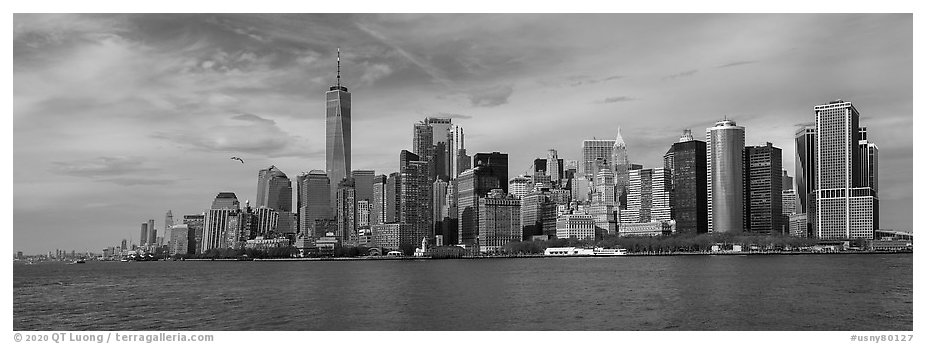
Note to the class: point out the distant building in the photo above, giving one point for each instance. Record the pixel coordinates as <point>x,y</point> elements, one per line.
<point>648,196</point>
<point>471,185</point>
<point>195,223</point>
<point>520,185</point>
<point>274,190</point>
<point>179,240</point>
<point>363,183</point>
<point>593,150</point>
<point>579,226</point>
<point>652,228</point>
<point>393,190</point>
<point>152,233</point>
<point>144,234</point>
<point>390,235</point>
<point>805,147</point>
<point>538,215</point>
<point>496,164</point>
<point>346,211</point>
<point>415,196</point>
<point>797,225</point>
<point>725,203</point>
<point>314,188</point>
<point>378,204</point>
<point>221,222</point>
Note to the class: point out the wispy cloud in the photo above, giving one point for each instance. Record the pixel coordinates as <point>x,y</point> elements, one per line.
<point>490,96</point>
<point>736,63</point>
<point>617,99</point>
<point>595,81</point>
<point>101,167</point>
<point>684,74</point>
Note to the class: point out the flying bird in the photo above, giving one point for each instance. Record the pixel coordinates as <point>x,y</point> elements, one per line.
<point>237,158</point>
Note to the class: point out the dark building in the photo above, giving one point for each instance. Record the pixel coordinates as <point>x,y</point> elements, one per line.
<point>363,181</point>
<point>393,190</point>
<point>805,143</point>
<point>194,232</point>
<point>762,189</point>
<point>337,133</point>
<point>346,211</point>
<point>472,184</point>
<point>144,234</point>
<point>496,164</point>
<point>687,165</point>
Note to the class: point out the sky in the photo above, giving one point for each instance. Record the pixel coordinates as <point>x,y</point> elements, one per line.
<point>118,118</point>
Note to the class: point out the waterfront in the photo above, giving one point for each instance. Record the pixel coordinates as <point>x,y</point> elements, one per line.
<point>760,292</point>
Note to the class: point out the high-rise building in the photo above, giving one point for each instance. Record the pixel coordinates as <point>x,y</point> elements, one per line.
<point>762,189</point>
<point>538,215</point>
<point>393,190</point>
<point>868,166</point>
<point>648,196</point>
<point>687,165</point>
<point>179,240</point>
<point>579,226</point>
<point>787,182</point>
<point>448,226</point>
<point>168,219</point>
<point>143,240</point>
<point>274,190</point>
<point>554,167</point>
<point>221,222</point>
<point>415,195</point>
<point>363,214</point>
<point>805,147</point>
<point>337,133</point>
<point>195,223</point>
<point>314,189</point>
<point>499,221</point>
<point>378,205</point>
<point>459,161</point>
<point>846,203</point>
<point>592,151</point>
<point>267,220</point>
<point>152,233</point>
<point>472,184</point>
<point>725,144</point>
<point>346,211</point>
<point>788,203</point>
<point>620,164</point>
<point>438,200</point>
<point>363,182</point>
<point>520,186</point>
<point>496,165</point>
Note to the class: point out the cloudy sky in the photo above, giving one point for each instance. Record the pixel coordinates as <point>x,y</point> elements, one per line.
<point>118,118</point>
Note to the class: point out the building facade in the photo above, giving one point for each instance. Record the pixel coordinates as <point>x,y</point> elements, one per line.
<point>762,189</point>
<point>725,203</point>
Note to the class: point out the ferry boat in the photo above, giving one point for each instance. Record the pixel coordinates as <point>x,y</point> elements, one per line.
<point>586,252</point>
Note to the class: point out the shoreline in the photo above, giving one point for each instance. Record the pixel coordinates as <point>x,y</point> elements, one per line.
<point>635,254</point>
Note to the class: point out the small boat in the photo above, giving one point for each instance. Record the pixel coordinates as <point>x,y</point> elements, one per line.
<point>80,261</point>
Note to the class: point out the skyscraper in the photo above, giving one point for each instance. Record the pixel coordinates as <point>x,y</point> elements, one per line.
<point>152,233</point>
<point>620,164</point>
<point>538,215</point>
<point>725,144</point>
<point>592,150</point>
<point>787,182</point>
<point>459,161</point>
<point>144,234</point>
<point>314,188</point>
<point>762,189</point>
<point>554,167</point>
<point>378,205</point>
<point>393,190</point>
<point>846,203</point>
<point>520,185</point>
<point>337,132</point>
<point>274,190</point>
<point>346,211</point>
<point>415,197</point>
<point>805,160</point>
<point>472,184</point>
<point>438,200</point>
<point>221,222</point>
<point>499,221</point>
<point>496,164</point>
<point>686,161</point>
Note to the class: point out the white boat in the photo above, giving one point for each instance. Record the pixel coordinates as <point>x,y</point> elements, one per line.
<point>587,252</point>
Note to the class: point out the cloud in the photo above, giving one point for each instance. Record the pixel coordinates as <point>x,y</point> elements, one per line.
<point>245,132</point>
<point>686,73</point>
<point>453,115</point>
<point>736,63</point>
<point>490,96</point>
<point>101,167</point>
<point>618,99</point>
<point>595,81</point>
<point>373,72</point>
<point>137,181</point>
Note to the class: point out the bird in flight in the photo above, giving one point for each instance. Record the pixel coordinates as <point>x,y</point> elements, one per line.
<point>237,158</point>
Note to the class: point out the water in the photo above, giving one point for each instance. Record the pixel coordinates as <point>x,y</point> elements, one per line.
<point>806,292</point>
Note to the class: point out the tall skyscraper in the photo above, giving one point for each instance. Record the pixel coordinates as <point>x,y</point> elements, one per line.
<point>520,185</point>
<point>438,200</point>
<point>459,161</point>
<point>787,182</point>
<point>415,196</point>
<point>314,189</point>
<point>496,164</point>
<point>846,203</point>
<point>168,219</point>
<point>805,160</point>
<point>337,132</point>
<point>687,165</point>
<point>378,205</point>
<point>393,190</point>
<point>274,190</point>
<point>499,221</point>
<point>725,144</point>
<point>221,222</point>
<point>592,151</point>
<point>195,223</point>
<point>143,240</point>
<point>762,189</point>
<point>346,211</point>
<point>554,167</point>
<point>620,164</point>
<point>538,215</point>
<point>152,233</point>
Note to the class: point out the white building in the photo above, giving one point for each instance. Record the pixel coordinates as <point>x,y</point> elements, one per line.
<point>580,226</point>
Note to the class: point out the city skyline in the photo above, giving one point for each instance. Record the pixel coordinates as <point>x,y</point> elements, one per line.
<point>518,118</point>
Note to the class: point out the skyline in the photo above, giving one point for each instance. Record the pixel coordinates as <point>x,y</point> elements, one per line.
<point>499,89</point>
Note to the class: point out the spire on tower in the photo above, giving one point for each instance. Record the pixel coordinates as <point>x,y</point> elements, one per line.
<point>339,67</point>
<point>619,140</point>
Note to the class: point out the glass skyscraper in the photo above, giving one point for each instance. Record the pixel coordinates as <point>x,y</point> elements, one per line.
<point>725,144</point>
<point>337,133</point>
<point>687,165</point>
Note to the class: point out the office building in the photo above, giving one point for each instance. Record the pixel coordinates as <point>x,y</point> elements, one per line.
<point>579,226</point>
<point>346,211</point>
<point>143,240</point>
<point>459,161</point>
<point>762,189</point>
<point>221,224</point>
<point>686,161</point>
<point>179,240</point>
<point>725,203</point>
<point>520,186</point>
<point>415,195</point>
<point>787,182</point>
<point>195,223</point>
<point>538,215</point>
<point>152,233</point>
<point>648,196</point>
<point>471,185</point>
<point>805,147</point>
<point>378,204</point>
<point>393,190</point>
<point>314,189</point>
<point>592,151</point>
<point>363,183</point>
<point>499,221</point>
<point>337,133</point>
<point>846,203</point>
<point>496,165</point>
